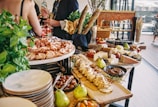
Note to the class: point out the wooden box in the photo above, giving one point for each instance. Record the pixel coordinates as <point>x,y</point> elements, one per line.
<point>103,32</point>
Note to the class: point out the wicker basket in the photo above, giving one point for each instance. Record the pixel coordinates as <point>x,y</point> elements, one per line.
<point>103,32</point>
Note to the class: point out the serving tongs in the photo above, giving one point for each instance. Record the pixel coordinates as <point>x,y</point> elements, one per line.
<point>57,78</point>
<point>67,82</point>
<point>61,67</point>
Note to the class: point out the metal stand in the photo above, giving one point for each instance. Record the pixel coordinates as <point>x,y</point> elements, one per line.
<point>53,68</point>
<point>129,86</point>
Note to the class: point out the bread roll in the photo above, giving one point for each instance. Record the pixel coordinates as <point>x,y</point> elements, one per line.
<point>82,19</point>
<point>91,21</point>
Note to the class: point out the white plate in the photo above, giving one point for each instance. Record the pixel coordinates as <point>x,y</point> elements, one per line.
<point>27,81</point>
<point>15,102</point>
<point>41,95</point>
<point>28,94</point>
<point>37,62</point>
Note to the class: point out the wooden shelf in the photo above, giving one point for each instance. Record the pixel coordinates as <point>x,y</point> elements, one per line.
<point>111,19</point>
<point>114,29</point>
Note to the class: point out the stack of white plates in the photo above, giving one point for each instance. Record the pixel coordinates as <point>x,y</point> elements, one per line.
<point>15,102</point>
<point>34,85</point>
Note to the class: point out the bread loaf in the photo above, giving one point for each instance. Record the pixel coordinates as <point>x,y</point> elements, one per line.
<point>91,21</point>
<point>82,19</point>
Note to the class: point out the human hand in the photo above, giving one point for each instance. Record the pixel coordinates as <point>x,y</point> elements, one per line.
<point>52,22</point>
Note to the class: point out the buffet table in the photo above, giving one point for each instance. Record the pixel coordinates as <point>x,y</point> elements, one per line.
<point>130,65</point>
<point>119,92</point>
<point>47,53</point>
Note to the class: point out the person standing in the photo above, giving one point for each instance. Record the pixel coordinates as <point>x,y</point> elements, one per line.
<point>37,9</point>
<point>61,10</point>
<point>155,33</point>
<point>25,9</point>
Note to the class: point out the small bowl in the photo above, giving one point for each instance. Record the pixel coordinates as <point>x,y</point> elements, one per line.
<point>72,85</point>
<point>115,70</point>
<point>87,103</point>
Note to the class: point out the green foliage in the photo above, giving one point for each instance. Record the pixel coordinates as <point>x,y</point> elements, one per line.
<point>76,15</point>
<point>13,45</point>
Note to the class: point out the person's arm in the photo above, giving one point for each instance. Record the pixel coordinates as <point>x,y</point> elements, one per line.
<point>73,6</point>
<point>33,19</point>
<point>52,22</point>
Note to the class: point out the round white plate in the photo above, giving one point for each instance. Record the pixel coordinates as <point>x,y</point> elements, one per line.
<point>27,81</point>
<point>29,94</point>
<point>37,62</point>
<point>15,102</point>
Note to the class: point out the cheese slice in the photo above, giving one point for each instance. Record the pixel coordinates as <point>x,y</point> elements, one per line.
<point>128,60</point>
<point>100,54</point>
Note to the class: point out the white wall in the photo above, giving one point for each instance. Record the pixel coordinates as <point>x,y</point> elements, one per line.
<point>82,4</point>
<point>49,3</point>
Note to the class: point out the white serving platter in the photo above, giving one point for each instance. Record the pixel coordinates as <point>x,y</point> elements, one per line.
<point>45,61</point>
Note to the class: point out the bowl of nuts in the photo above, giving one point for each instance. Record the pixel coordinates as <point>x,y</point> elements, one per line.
<point>63,82</point>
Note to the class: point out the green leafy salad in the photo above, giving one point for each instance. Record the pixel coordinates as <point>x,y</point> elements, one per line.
<point>13,46</point>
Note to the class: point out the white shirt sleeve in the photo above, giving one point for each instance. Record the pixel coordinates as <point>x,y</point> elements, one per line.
<point>62,24</point>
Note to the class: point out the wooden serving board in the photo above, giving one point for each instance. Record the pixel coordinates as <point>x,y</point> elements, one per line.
<point>119,92</point>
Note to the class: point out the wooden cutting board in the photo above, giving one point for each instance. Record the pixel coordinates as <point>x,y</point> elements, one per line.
<point>119,92</point>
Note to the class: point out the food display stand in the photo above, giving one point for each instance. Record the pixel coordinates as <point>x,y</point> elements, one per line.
<point>119,91</point>
<point>54,65</point>
<point>51,54</point>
